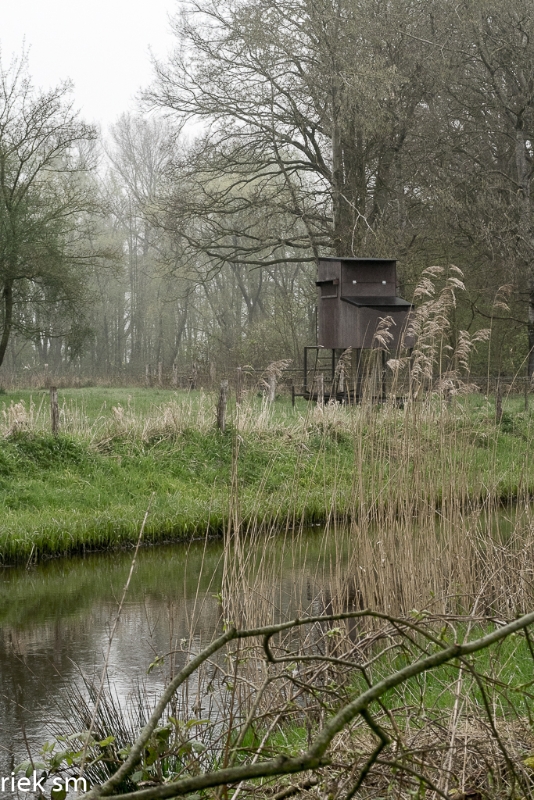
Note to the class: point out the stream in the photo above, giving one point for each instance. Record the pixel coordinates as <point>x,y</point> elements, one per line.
<point>56,618</point>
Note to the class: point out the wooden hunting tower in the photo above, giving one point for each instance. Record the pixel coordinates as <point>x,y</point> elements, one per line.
<point>354,295</point>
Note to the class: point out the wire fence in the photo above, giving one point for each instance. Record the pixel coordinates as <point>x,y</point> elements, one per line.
<point>288,380</point>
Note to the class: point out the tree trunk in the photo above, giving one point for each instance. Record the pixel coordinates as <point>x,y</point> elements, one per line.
<point>8,318</point>
<point>530,327</point>
<point>337,180</point>
<point>526,233</point>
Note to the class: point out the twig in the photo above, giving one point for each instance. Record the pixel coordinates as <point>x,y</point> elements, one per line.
<point>315,757</point>
<point>383,742</point>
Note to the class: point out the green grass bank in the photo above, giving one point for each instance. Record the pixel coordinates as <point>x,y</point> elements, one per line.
<point>278,466</point>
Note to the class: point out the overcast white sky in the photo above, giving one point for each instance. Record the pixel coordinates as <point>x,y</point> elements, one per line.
<point>101,45</point>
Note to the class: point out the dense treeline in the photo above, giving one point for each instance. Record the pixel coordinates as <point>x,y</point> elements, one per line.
<point>283,130</point>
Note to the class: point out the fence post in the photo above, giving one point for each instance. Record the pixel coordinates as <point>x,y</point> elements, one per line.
<point>221,406</point>
<point>498,404</point>
<point>147,375</point>
<point>272,388</point>
<point>238,385</point>
<point>54,410</point>
<point>160,373</point>
<point>384,376</point>
<point>527,382</point>
<point>193,377</point>
<point>174,379</point>
<point>320,389</point>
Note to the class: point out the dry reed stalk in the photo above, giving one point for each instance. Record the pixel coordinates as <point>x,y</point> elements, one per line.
<point>104,674</point>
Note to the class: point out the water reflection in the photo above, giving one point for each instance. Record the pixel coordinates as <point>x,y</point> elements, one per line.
<point>55,619</point>
<point>55,623</point>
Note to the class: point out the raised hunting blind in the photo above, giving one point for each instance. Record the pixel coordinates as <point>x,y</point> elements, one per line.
<point>355,296</point>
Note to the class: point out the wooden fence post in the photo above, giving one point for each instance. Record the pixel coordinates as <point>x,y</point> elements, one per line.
<point>174,380</point>
<point>160,373</point>
<point>498,404</point>
<point>320,389</point>
<point>54,410</point>
<point>341,381</point>
<point>193,377</point>
<point>147,375</point>
<point>221,406</point>
<point>271,395</point>
<point>238,385</point>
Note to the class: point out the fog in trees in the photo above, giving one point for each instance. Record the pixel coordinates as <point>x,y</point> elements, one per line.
<point>276,132</point>
<point>47,210</point>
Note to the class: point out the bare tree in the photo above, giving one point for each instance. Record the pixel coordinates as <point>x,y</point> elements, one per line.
<point>309,111</point>
<point>496,104</point>
<point>45,207</point>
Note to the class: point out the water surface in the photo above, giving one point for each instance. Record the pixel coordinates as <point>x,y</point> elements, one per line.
<point>56,618</point>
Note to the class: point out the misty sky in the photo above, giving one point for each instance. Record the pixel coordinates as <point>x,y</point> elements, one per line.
<point>102,46</point>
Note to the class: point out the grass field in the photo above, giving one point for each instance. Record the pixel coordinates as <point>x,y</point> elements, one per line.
<point>89,487</point>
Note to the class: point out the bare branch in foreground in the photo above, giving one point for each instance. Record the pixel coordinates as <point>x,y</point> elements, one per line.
<point>316,755</point>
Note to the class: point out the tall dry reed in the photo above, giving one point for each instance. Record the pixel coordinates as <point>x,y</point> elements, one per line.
<point>419,524</point>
